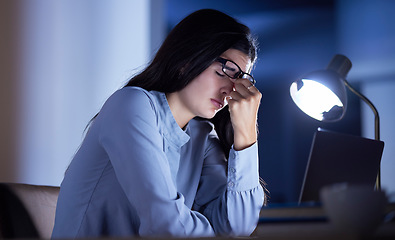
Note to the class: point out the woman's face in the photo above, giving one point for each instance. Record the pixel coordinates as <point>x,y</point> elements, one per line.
<point>205,95</point>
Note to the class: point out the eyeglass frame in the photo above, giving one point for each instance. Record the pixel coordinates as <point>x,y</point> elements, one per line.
<point>238,74</point>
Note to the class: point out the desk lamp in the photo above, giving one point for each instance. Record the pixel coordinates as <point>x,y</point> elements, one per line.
<point>322,95</point>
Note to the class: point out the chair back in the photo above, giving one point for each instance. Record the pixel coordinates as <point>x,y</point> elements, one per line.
<point>27,211</point>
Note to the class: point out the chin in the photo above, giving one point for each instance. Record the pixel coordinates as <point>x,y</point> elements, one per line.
<point>208,115</point>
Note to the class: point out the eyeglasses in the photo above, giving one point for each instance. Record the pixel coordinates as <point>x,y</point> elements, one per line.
<point>232,70</point>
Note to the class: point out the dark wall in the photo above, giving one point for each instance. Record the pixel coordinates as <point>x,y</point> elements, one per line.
<point>295,37</point>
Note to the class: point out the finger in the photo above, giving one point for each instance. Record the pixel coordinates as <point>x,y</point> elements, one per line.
<point>246,92</point>
<point>242,90</point>
<point>244,86</point>
<point>252,88</point>
<point>244,81</point>
<point>235,95</point>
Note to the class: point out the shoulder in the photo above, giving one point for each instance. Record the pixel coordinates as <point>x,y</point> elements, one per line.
<point>128,103</point>
<point>131,95</point>
<point>128,98</point>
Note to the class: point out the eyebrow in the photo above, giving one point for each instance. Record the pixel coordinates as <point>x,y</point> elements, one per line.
<point>229,68</point>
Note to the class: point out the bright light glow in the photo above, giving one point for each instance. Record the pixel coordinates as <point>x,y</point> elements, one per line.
<point>314,98</point>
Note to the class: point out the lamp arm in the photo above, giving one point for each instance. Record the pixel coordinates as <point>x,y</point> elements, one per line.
<point>367,101</point>
<point>376,123</point>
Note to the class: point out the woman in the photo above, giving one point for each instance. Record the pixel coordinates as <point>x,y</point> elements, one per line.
<point>151,163</point>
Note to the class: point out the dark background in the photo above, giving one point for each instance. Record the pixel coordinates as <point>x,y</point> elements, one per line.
<point>296,37</point>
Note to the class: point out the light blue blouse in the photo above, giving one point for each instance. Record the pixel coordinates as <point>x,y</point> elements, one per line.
<point>137,173</point>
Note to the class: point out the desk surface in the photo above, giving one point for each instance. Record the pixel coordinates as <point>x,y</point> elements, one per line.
<point>309,222</point>
<point>315,230</point>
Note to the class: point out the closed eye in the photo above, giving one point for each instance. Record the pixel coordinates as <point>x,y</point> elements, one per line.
<point>219,74</point>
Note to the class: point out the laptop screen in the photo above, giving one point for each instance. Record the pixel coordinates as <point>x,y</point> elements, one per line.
<point>340,158</point>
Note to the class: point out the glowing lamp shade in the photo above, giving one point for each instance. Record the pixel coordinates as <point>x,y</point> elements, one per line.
<point>322,94</point>
<point>316,100</point>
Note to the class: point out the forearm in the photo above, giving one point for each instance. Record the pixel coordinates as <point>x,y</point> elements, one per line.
<point>235,212</point>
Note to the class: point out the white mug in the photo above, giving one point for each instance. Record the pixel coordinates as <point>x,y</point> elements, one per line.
<point>354,209</point>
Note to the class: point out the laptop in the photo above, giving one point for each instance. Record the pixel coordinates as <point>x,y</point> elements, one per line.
<point>340,158</point>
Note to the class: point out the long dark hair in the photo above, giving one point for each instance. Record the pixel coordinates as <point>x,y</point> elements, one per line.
<point>191,47</point>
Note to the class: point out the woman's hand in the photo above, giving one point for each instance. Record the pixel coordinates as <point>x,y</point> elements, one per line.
<point>243,104</point>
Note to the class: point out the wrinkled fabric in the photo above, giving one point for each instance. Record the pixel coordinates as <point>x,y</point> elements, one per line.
<point>137,173</point>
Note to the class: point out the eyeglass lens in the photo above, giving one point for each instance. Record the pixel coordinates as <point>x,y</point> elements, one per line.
<point>233,71</point>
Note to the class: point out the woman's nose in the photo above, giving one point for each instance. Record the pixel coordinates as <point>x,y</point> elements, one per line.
<point>228,88</point>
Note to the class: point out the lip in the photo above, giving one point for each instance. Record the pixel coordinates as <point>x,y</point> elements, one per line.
<point>218,104</point>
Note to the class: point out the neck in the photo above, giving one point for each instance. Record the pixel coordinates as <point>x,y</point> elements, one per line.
<point>180,113</point>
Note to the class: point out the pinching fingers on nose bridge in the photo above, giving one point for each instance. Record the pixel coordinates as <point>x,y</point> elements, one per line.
<point>245,88</point>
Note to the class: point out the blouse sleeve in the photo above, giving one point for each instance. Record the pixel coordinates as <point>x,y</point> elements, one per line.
<point>135,147</point>
<point>230,194</point>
